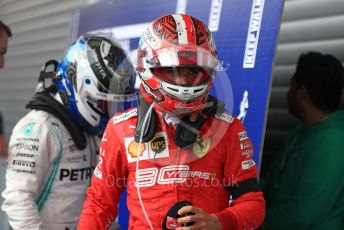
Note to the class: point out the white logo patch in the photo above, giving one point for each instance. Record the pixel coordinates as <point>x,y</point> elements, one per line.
<point>225,117</point>
<point>145,151</point>
<point>98,170</point>
<point>245,145</point>
<point>247,164</point>
<point>124,116</point>
<point>252,39</point>
<point>242,135</point>
<point>98,173</point>
<point>104,139</point>
<point>247,152</point>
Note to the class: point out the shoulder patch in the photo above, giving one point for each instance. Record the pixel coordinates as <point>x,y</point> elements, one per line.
<point>29,128</point>
<point>124,116</point>
<point>225,117</point>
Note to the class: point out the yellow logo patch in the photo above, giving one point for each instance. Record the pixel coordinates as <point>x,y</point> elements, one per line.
<point>135,149</point>
<point>201,147</point>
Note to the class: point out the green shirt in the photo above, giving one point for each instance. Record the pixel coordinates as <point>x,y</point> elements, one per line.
<point>307,191</point>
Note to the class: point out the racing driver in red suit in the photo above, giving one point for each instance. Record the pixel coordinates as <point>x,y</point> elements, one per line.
<point>185,162</point>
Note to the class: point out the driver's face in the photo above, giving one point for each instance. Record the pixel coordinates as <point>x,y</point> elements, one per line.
<point>184,75</point>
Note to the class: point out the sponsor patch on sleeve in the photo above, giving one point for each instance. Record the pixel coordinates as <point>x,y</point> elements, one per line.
<point>242,135</point>
<point>245,145</point>
<point>28,130</point>
<point>98,173</point>
<point>124,116</point>
<point>98,170</point>
<point>248,152</point>
<point>247,164</point>
<point>225,117</point>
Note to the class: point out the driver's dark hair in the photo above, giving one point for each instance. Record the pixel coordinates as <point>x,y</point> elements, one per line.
<point>323,77</point>
<point>6,28</point>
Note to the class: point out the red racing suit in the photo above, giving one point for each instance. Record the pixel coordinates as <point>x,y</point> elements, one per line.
<point>219,165</point>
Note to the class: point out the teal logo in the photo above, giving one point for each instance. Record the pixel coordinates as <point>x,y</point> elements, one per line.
<point>29,129</point>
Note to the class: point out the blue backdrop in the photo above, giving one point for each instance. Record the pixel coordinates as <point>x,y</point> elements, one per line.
<point>245,33</point>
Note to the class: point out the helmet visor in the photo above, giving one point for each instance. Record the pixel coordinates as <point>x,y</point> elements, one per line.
<point>184,76</point>
<point>122,72</point>
<point>179,56</point>
<point>105,102</point>
<point>117,85</point>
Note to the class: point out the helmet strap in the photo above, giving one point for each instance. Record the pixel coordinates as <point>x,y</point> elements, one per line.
<point>148,131</point>
<point>187,130</point>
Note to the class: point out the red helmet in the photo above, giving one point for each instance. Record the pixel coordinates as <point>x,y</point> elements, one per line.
<point>177,62</point>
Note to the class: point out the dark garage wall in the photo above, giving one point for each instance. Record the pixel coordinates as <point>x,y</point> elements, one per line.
<point>306,25</point>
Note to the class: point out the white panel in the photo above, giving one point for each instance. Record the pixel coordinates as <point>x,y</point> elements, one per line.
<point>308,29</point>
<point>288,53</point>
<point>34,58</point>
<point>37,47</point>
<point>306,9</point>
<point>24,61</point>
<point>14,7</point>
<point>279,100</point>
<point>282,75</point>
<point>43,10</point>
<point>37,23</point>
<point>37,35</point>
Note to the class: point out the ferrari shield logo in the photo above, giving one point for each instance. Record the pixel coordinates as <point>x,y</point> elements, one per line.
<point>201,147</point>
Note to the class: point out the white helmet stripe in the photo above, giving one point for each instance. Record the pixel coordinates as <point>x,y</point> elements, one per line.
<point>182,33</point>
